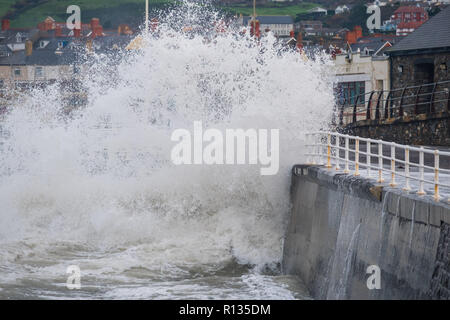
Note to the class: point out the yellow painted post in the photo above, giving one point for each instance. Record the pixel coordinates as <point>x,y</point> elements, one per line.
<point>380,162</point>
<point>436,175</point>
<point>393,184</point>
<point>357,157</point>
<point>329,166</point>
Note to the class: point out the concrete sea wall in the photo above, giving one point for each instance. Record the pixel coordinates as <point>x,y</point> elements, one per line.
<point>342,224</point>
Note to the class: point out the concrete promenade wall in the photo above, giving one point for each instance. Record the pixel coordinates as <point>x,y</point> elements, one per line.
<point>341,224</point>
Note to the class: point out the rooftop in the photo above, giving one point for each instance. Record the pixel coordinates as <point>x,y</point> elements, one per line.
<point>410,9</point>
<point>271,20</point>
<point>433,34</point>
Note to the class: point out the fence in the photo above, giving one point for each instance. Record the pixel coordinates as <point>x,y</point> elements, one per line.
<point>353,153</point>
<point>427,98</point>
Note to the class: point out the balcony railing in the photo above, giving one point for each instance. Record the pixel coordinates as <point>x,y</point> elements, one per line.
<point>403,165</point>
<point>429,98</point>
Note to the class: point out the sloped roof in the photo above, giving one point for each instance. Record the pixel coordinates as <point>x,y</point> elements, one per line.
<point>410,9</point>
<point>271,20</point>
<point>433,34</point>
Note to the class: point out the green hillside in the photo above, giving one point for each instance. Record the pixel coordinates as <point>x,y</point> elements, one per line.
<point>27,13</point>
<point>111,12</point>
<point>272,9</point>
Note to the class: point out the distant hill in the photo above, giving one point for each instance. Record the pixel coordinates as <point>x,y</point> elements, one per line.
<point>27,13</point>
<point>271,8</point>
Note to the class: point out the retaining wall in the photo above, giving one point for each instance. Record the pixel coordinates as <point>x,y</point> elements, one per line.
<point>341,224</point>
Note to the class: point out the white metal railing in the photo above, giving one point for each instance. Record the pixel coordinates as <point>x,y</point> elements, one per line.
<point>322,150</point>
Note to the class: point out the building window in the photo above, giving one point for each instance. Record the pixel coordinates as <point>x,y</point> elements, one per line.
<point>348,91</point>
<point>2,83</point>
<point>17,72</point>
<point>39,72</point>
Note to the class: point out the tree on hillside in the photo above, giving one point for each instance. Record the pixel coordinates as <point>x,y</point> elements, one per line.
<point>357,17</point>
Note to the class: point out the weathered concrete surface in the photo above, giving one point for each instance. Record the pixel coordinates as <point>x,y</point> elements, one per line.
<point>341,224</point>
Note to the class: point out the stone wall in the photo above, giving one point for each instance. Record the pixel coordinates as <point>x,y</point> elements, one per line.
<point>408,77</point>
<point>341,224</point>
<point>423,129</point>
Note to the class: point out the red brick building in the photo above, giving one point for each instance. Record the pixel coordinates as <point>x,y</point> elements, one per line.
<point>408,19</point>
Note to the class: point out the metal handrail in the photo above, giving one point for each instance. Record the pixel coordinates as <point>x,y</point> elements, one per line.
<point>427,98</point>
<point>318,142</point>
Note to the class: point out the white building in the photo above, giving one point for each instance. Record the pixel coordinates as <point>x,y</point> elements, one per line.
<point>281,26</point>
<point>341,9</point>
<point>319,11</point>
<point>360,71</point>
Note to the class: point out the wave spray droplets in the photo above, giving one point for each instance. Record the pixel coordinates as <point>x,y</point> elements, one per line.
<point>97,188</point>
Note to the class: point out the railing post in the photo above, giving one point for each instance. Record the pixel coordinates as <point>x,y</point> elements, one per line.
<point>357,156</point>
<point>329,166</point>
<point>341,113</point>
<point>393,184</point>
<point>421,172</point>
<point>416,107</point>
<point>355,109</point>
<point>436,175</point>
<point>400,110</point>
<point>386,105</point>
<point>380,161</point>
<point>377,110</point>
<point>337,152</point>
<point>407,186</point>
<point>319,150</point>
<point>369,106</point>
<point>347,146</point>
<point>432,109</point>
<point>368,153</point>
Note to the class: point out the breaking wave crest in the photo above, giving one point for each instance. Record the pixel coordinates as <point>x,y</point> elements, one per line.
<point>96,187</point>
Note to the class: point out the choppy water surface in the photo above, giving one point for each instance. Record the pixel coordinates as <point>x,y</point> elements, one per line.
<point>97,188</point>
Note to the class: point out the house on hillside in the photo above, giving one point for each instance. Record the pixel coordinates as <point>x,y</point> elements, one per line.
<point>341,9</point>
<point>280,26</point>
<point>310,27</point>
<point>408,19</point>
<point>318,11</point>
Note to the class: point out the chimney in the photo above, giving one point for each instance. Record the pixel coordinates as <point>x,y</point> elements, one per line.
<point>254,28</point>
<point>300,41</point>
<point>350,37</point>
<point>358,32</point>
<point>89,45</point>
<point>77,33</point>
<point>28,48</point>
<point>119,30</point>
<point>5,24</point>
<point>154,24</point>
<point>96,28</point>
<point>292,34</point>
<point>95,22</point>
<point>58,31</point>
<point>48,24</point>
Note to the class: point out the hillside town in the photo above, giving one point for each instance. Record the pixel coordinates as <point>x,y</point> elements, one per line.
<point>410,47</point>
